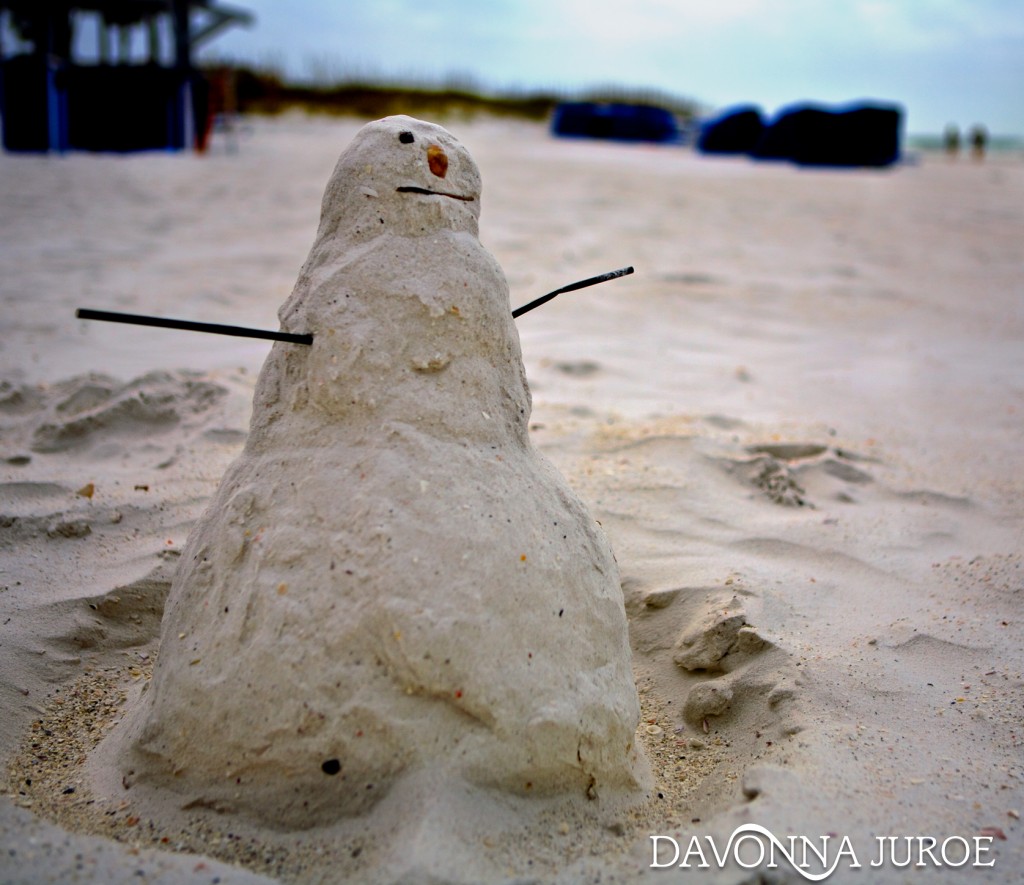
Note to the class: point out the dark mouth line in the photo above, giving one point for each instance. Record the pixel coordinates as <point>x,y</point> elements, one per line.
<point>408,189</point>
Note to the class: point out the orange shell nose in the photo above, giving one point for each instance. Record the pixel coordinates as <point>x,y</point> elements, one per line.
<point>437,159</point>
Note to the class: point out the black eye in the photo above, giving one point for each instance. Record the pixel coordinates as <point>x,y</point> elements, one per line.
<point>406,137</point>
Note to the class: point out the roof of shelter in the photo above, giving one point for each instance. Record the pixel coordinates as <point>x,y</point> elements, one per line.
<point>123,12</point>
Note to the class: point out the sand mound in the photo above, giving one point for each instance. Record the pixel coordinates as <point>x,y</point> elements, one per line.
<point>391,590</point>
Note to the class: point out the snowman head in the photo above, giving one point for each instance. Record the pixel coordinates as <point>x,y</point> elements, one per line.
<point>401,176</point>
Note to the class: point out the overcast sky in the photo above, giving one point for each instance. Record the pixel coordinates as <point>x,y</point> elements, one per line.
<point>945,61</point>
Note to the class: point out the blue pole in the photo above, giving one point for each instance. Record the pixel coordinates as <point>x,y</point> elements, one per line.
<point>56,105</point>
<point>182,71</point>
<point>52,119</point>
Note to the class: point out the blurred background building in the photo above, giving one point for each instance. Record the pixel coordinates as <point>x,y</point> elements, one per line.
<point>108,75</point>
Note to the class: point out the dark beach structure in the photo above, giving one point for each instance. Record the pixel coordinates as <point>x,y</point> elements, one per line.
<point>864,133</point>
<point>859,134</point>
<point>106,75</point>
<point>734,131</point>
<point>617,121</point>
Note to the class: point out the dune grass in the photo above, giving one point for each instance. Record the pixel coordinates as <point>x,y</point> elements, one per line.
<point>266,92</point>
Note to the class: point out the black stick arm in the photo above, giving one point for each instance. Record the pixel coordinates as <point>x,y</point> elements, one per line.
<point>84,313</point>
<point>572,287</point>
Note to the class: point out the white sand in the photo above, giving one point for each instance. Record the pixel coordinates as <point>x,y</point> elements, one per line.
<point>848,340</point>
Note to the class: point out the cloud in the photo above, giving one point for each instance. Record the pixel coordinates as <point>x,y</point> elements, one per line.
<point>939,24</point>
<point>926,53</point>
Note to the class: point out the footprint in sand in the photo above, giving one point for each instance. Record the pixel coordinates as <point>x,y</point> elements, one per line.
<point>723,645</point>
<point>125,617</point>
<point>790,473</point>
<point>76,413</point>
<point>709,655</point>
<point>579,368</point>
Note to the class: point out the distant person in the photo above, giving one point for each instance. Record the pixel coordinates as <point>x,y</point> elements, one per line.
<point>979,138</point>
<point>951,141</point>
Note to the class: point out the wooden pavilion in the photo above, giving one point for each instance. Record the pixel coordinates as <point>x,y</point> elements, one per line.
<point>106,75</point>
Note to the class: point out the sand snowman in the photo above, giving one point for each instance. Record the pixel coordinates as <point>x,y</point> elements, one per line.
<point>390,579</point>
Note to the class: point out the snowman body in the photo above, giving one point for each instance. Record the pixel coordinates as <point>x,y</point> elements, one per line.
<point>389,578</point>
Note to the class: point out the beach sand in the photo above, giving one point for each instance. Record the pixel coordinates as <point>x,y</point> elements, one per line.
<point>800,423</point>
